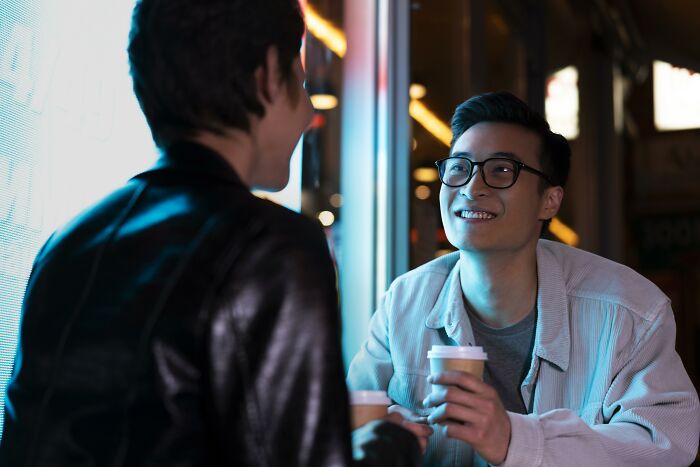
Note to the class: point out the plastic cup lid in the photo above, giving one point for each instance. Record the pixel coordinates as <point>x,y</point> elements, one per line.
<point>469,352</point>
<point>369,398</point>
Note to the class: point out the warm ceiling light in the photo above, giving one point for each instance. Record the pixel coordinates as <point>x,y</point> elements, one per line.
<point>430,122</point>
<point>425,174</point>
<point>563,232</point>
<point>417,91</point>
<point>326,217</point>
<point>336,200</point>
<point>324,101</point>
<point>325,31</point>
<point>422,192</point>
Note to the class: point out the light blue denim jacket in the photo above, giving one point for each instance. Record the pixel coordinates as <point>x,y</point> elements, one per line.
<point>605,386</point>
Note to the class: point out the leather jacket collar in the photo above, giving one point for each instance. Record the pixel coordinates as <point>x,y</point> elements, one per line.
<point>193,159</point>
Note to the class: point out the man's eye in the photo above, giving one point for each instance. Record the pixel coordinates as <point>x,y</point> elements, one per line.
<point>503,168</point>
<point>457,168</point>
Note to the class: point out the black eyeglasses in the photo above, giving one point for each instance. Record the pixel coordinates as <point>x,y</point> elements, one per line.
<point>497,172</point>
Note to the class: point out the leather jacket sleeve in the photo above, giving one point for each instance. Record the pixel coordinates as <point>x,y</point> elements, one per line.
<point>277,383</point>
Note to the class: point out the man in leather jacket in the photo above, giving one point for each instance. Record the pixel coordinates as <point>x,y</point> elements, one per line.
<point>182,320</point>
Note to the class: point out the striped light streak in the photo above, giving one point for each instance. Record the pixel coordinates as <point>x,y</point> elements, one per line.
<point>563,232</point>
<point>423,115</point>
<point>325,31</point>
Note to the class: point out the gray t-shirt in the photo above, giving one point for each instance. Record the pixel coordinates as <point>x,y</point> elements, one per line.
<point>509,351</point>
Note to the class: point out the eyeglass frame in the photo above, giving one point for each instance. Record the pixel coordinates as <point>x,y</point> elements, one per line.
<point>480,166</point>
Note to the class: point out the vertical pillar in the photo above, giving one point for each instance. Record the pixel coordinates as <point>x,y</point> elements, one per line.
<point>598,165</point>
<point>393,138</point>
<point>375,160</point>
<point>358,174</point>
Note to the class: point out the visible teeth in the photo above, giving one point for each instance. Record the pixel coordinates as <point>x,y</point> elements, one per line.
<point>476,215</point>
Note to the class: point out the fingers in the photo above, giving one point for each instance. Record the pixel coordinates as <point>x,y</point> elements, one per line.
<point>418,429</point>
<point>460,379</point>
<point>421,431</point>
<point>450,412</point>
<point>394,417</point>
<point>411,422</point>
<point>407,414</point>
<point>471,411</point>
<point>451,394</point>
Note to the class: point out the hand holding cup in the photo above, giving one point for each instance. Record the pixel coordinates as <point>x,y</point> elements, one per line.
<point>468,409</point>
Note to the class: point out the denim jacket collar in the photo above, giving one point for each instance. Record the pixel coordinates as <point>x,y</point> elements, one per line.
<point>449,311</point>
<point>552,340</point>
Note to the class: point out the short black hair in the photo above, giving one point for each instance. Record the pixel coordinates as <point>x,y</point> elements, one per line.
<point>193,62</point>
<point>504,107</point>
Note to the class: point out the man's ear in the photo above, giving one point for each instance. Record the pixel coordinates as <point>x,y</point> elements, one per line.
<point>552,198</point>
<point>268,77</point>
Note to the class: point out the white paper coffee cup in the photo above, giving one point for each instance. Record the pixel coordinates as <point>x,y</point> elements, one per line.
<point>367,406</point>
<point>469,359</point>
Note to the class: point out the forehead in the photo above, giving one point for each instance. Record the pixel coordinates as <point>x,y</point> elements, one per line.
<point>487,138</point>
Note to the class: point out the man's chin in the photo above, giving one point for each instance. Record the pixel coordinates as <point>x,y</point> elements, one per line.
<point>470,242</point>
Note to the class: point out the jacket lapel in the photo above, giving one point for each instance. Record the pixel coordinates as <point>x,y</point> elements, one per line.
<point>449,312</point>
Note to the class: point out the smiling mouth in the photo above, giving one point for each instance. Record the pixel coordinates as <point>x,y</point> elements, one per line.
<point>482,215</point>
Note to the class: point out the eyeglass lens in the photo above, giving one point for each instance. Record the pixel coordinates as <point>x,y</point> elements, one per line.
<point>498,173</point>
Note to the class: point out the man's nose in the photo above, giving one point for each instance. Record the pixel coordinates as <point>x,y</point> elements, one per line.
<point>475,187</point>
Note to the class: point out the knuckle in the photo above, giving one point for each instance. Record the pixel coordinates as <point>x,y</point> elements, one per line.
<point>448,409</point>
<point>437,413</point>
<point>479,433</point>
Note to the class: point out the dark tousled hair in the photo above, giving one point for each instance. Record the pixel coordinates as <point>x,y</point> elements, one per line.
<point>193,62</point>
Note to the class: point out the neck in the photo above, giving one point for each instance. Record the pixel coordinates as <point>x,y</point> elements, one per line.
<point>500,288</point>
<point>237,147</point>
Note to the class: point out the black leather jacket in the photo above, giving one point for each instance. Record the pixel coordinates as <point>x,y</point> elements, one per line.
<point>183,321</point>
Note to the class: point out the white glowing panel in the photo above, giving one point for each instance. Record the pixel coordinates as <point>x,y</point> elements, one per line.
<point>561,102</point>
<point>676,97</point>
<point>70,130</point>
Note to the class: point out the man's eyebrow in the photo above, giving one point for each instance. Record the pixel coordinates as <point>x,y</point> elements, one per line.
<point>507,155</point>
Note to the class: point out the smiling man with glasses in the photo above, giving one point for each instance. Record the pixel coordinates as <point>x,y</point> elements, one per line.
<point>581,365</point>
